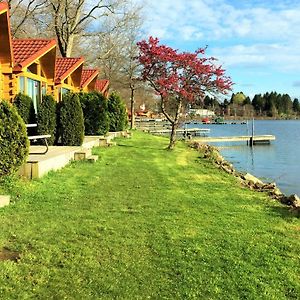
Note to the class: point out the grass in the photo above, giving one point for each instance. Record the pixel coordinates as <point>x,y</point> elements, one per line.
<point>144,222</point>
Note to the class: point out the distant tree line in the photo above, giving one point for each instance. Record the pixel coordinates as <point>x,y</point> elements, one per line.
<point>271,104</point>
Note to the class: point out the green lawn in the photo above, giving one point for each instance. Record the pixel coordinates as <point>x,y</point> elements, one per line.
<point>144,222</point>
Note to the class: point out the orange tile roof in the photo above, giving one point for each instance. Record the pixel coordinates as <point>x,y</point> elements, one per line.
<point>3,7</point>
<point>87,76</point>
<point>28,50</point>
<point>101,85</point>
<point>65,66</point>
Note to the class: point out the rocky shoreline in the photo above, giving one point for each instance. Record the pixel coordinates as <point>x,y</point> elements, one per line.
<point>248,180</point>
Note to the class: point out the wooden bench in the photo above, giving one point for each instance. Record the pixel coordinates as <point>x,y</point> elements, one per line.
<point>43,137</point>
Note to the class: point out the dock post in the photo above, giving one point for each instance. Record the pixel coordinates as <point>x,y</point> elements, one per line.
<point>251,141</point>
<point>252,137</point>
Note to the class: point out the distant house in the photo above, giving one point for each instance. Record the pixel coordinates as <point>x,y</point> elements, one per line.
<point>6,53</point>
<point>88,80</point>
<point>201,112</point>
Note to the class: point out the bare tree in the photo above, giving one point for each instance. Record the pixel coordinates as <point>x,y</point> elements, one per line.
<point>130,69</point>
<point>117,52</point>
<point>23,14</point>
<point>74,18</point>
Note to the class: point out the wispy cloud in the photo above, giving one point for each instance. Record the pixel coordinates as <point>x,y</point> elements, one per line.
<point>253,34</point>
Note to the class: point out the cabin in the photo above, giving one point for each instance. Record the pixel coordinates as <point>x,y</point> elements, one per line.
<point>34,68</point>
<point>88,80</point>
<point>68,72</point>
<point>102,86</point>
<point>6,53</point>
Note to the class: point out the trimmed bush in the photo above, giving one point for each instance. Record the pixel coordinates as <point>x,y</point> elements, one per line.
<point>46,118</point>
<point>94,107</point>
<point>71,122</point>
<point>117,113</point>
<point>25,108</point>
<point>14,144</point>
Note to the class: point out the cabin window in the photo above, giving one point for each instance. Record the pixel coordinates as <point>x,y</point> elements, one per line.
<point>63,91</point>
<point>44,88</point>
<point>22,84</point>
<point>34,91</point>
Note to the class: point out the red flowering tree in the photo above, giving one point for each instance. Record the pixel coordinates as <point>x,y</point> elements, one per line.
<point>180,78</point>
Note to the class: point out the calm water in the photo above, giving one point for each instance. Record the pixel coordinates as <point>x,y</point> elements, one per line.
<point>278,162</point>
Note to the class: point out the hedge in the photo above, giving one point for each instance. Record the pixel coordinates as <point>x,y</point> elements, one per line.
<point>70,121</point>
<point>117,113</point>
<point>46,118</point>
<point>96,118</point>
<point>25,108</point>
<point>14,143</point>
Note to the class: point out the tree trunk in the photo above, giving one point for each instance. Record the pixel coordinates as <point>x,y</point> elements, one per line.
<point>173,136</point>
<point>69,46</point>
<point>132,104</point>
<point>174,127</point>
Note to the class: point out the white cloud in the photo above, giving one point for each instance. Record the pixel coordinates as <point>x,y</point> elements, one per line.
<point>245,34</point>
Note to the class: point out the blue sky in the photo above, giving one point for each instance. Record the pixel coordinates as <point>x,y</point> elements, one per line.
<point>257,42</point>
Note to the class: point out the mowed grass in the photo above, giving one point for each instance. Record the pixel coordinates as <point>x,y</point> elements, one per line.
<point>146,223</point>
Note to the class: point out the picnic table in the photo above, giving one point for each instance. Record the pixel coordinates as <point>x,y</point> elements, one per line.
<point>42,137</point>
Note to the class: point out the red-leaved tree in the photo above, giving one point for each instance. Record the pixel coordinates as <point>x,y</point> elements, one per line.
<point>180,78</point>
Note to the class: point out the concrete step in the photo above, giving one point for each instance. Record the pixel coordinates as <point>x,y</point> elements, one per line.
<point>109,144</point>
<point>93,158</point>
<point>82,154</point>
<point>4,200</point>
<point>105,142</point>
<point>126,134</point>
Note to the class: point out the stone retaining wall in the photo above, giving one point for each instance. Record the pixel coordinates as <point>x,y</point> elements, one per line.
<point>248,180</point>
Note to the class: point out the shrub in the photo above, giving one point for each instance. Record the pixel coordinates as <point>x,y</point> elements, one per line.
<point>24,105</point>
<point>46,118</point>
<point>71,123</point>
<point>94,106</point>
<point>14,144</point>
<point>117,113</point>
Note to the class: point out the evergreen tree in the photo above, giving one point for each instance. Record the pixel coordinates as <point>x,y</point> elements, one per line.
<point>96,119</point>
<point>258,103</point>
<point>46,118</point>
<point>247,101</point>
<point>117,113</point>
<point>287,104</point>
<point>296,106</point>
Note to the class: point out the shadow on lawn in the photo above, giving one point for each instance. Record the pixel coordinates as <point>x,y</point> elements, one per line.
<point>284,212</point>
<point>141,147</point>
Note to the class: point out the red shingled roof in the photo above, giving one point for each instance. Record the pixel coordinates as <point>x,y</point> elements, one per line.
<point>87,76</point>
<point>65,66</point>
<point>3,7</point>
<point>28,50</point>
<point>101,85</point>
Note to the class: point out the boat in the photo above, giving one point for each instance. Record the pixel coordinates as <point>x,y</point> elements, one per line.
<point>205,121</point>
<point>219,120</point>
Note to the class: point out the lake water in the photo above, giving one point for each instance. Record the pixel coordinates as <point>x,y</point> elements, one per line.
<point>278,162</point>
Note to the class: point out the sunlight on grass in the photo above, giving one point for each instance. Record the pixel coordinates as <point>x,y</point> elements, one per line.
<point>144,222</point>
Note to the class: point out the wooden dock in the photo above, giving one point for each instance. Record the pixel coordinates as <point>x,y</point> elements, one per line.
<point>182,131</point>
<point>257,139</point>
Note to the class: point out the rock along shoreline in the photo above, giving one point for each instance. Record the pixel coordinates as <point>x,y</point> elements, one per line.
<point>248,180</point>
